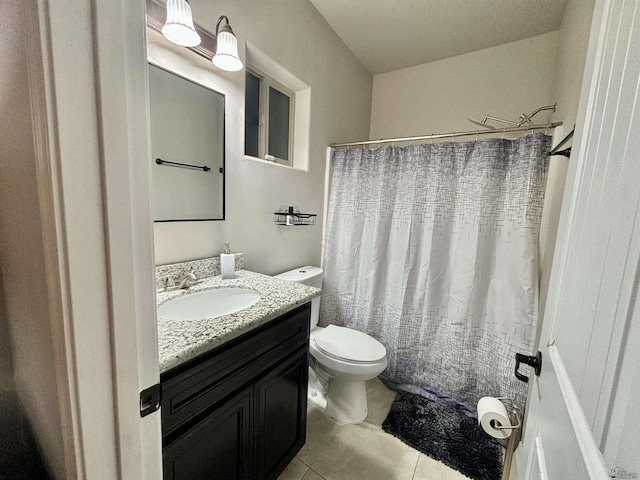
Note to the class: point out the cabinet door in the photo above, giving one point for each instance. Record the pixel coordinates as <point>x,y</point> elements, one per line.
<point>281,415</point>
<point>217,448</point>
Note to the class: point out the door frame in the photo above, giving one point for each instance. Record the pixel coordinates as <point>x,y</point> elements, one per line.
<point>88,90</point>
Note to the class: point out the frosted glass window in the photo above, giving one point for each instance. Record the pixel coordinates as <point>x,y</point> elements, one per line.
<point>252,115</point>
<point>279,109</point>
<point>268,118</point>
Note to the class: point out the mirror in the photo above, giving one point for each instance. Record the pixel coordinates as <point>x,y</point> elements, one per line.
<point>187,144</point>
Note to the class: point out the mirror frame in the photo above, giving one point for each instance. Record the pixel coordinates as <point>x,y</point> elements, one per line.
<point>224,146</point>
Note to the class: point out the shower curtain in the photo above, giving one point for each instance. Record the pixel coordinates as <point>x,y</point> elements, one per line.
<point>433,250</point>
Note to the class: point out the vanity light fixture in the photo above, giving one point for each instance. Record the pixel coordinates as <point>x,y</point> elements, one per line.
<point>226,57</point>
<point>179,27</point>
<point>221,48</point>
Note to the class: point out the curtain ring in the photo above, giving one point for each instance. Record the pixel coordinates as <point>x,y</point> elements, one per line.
<point>431,139</point>
<point>476,135</point>
<point>546,129</point>
<point>504,130</point>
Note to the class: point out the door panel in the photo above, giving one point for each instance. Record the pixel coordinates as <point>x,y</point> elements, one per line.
<point>538,470</point>
<point>587,339</point>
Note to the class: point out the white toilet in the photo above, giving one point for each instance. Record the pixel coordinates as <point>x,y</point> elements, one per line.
<point>342,360</point>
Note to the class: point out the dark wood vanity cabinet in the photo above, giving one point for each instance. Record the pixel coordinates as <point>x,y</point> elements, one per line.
<point>239,411</point>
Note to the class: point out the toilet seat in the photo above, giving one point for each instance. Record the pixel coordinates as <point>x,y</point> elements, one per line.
<point>348,345</point>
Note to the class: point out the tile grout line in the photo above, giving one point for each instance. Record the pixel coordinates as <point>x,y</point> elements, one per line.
<point>316,473</point>
<point>415,468</point>
<point>325,443</point>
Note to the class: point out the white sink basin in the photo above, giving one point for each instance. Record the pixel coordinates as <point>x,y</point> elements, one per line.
<point>208,304</point>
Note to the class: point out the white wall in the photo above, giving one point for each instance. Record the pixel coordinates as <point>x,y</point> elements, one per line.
<point>573,38</point>
<point>294,35</point>
<point>437,97</point>
<point>22,262</point>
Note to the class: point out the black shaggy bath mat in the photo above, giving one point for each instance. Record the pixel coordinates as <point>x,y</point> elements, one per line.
<point>444,434</point>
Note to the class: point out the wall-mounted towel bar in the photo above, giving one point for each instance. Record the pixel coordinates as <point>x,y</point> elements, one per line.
<point>204,168</point>
<point>567,151</point>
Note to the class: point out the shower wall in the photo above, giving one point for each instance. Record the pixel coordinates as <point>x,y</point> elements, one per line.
<point>573,39</point>
<point>504,81</point>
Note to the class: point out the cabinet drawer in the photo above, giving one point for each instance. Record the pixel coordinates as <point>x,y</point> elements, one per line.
<point>201,383</point>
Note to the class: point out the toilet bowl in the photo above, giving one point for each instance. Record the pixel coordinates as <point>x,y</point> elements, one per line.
<point>342,359</point>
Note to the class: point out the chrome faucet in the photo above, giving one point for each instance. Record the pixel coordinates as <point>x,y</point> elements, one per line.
<point>189,280</point>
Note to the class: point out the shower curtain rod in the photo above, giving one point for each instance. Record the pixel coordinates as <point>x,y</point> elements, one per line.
<point>546,126</point>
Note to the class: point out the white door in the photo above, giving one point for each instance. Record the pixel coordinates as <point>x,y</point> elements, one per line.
<point>582,416</point>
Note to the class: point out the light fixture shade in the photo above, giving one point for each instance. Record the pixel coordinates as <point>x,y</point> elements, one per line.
<point>226,57</point>
<point>179,27</point>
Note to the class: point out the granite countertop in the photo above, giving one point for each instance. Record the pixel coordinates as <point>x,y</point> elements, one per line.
<point>182,340</point>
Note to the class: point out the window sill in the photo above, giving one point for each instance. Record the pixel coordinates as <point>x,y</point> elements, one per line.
<point>267,162</point>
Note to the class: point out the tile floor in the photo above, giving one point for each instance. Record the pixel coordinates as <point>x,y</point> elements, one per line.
<point>364,451</point>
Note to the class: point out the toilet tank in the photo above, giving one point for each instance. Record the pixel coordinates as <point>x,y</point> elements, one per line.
<point>308,275</point>
<point>311,276</point>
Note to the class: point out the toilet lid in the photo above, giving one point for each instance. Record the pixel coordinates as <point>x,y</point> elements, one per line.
<point>349,344</point>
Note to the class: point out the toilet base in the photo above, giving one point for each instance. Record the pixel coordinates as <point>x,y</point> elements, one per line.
<point>316,391</point>
<point>347,401</point>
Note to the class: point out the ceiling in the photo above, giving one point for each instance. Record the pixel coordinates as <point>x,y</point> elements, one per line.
<point>391,34</point>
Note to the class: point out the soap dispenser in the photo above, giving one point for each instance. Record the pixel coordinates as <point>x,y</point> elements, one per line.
<point>227,263</point>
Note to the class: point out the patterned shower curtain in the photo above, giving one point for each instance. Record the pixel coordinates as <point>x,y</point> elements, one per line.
<point>433,250</point>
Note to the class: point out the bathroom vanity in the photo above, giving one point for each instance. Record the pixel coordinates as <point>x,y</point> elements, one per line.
<point>234,388</point>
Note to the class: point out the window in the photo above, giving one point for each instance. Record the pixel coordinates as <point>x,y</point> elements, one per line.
<point>268,120</point>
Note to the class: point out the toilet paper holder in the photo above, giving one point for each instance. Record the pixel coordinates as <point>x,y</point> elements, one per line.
<point>513,439</point>
<point>515,412</point>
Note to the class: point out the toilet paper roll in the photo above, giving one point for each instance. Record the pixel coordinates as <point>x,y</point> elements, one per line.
<point>492,414</point>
